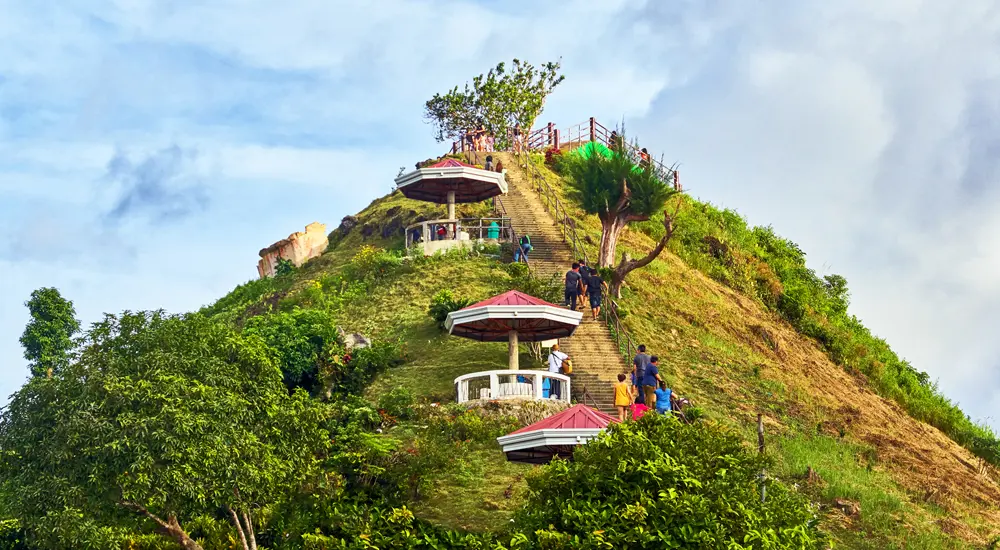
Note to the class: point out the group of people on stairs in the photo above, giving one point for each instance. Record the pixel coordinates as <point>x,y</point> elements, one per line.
<point>584,283</point>
<point>645,391</point>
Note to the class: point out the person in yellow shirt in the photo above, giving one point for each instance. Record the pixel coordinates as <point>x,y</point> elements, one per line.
<point>623,396</point>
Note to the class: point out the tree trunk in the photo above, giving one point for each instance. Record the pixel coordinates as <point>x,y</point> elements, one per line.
<point>612,225</point>
<point>627,265</point>
<point>240,531</point>
<point>251,534</point>
<point>169,528</point>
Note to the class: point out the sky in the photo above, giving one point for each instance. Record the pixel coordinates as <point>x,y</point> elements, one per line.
<point>149,149</point>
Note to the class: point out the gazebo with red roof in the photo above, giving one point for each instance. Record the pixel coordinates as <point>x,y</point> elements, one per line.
<point>555,436</point>
<point>450,181</point>
<point>513,316</point>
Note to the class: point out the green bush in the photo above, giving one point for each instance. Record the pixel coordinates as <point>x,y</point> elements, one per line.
<point>398,403</point>
<point>443,303</point>
<point>460,424</point>
<point>658,483</point>
<point>11,535</point>
<point>353,372</point>
<point>372,264</point>
<point>284,267</point>
<point>301,340</point>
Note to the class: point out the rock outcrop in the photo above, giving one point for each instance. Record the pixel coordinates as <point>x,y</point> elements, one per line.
<point>298,248</point>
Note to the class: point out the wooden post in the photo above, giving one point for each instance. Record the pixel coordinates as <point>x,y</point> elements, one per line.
<point>451,205</point>
<point>555,137</point>
<point>593,129</point>
<point>677,181</point>
<point>760,449</point>
<point>512,359</point>
<point>549,136</point>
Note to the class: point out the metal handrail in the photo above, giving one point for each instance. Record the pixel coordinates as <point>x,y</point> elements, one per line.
<point>548,136</point>
<point>555,207</point>
<point>627,347</point>
<point>502,210</point>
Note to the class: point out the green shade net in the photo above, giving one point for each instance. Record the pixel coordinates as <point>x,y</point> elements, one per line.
<point>593,148</point>
<point>597,148</point>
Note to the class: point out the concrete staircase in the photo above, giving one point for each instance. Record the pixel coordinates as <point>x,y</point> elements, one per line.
<point>596,361</point>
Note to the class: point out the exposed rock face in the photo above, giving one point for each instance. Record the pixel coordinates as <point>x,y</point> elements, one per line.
<point>297,248</point>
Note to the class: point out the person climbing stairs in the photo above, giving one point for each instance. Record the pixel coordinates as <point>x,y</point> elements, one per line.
<point>596,361</point>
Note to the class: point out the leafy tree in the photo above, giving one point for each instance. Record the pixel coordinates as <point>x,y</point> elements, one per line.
<point>618,192</point>
<point>302,339</point>
<point>160,420</point>
<point>48,337</point>
<point>658,483</point>
<point>498,101</point>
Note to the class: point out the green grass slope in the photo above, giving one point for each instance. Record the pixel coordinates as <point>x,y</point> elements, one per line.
<point>722,343</point>
<point>721,346</point>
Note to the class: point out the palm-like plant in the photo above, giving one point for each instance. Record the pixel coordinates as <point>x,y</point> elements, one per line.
<point>618,192</point>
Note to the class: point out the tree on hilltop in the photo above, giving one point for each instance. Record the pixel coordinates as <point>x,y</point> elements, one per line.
<point>48,336</point>
<point>610,185</point>
<point>159,420</point>
<point>499,101</point>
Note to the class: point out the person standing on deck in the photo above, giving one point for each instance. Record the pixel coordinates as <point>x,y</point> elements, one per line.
<point>639,364</point>
<point>556,359</point>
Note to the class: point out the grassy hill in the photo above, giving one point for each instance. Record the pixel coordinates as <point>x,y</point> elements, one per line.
<point>721,344</point>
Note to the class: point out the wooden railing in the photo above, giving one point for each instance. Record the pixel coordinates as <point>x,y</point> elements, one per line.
<point>551,137</point>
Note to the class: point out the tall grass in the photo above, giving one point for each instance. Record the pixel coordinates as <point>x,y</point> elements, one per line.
<point>760,263</point>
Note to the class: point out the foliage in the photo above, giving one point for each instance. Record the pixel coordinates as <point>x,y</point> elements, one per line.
<point>284,267</point>
<point>48,336</point>
<point>460,424</point>
<point>759,262</point>
<point>443,303</point>
<point>160,419</point>
<point>517,276</point>
<point>245,296</point>
<point>302,339</point>
<point>372,264</point>
<point>11,535</point>
<point>352,373</point>
<point>397,403</point>
<point>658,483</point>
<point>499,101</point>
<point>553,157</point>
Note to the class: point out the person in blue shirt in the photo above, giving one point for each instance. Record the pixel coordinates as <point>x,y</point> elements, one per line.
<point>663,398</point>
<point>650,381</point>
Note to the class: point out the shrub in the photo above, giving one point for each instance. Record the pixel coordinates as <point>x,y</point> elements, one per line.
<point>351,373</point>
<point>658,483</point>
<point>398,403</point>
<point>459,424</point>
<point>284,267</point>
<point>443,303</point>
<point>373,264</point>
<point>300,339</point>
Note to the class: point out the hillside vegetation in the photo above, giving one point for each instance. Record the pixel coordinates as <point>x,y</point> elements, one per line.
<point>746,327</point>
<point>404,467</point>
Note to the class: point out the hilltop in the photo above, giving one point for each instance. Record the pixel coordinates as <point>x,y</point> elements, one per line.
<point>724,348</point>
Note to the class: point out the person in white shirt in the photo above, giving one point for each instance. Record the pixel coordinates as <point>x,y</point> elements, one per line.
<point>556,359</point>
